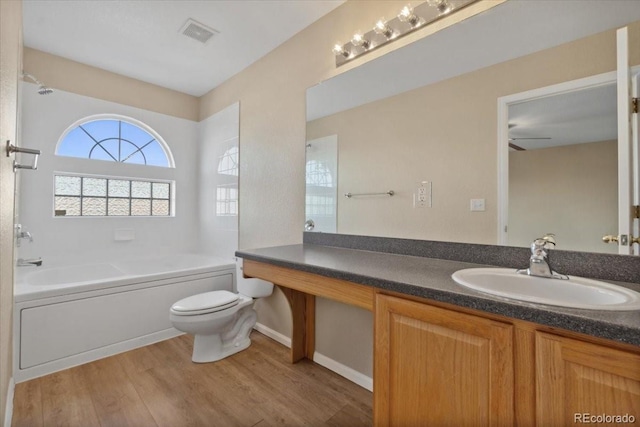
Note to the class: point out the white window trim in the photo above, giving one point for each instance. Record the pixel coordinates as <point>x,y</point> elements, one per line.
<point>108,116</point>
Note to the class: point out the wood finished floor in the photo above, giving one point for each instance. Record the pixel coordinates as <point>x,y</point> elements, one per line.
<point>158,385</point>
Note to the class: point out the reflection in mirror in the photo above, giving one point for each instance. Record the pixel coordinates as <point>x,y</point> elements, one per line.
<point>421,113</point>
<point>563,169</point>
<point>321,184</point>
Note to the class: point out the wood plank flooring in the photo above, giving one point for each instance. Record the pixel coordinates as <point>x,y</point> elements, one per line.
<point>158,385</point>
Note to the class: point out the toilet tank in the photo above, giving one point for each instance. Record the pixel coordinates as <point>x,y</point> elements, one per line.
<point>254,288</point>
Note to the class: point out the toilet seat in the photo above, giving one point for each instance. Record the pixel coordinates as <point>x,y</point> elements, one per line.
<point>208,302</point>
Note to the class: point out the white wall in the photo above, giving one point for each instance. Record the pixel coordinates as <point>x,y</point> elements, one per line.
<point>71,240</point>
<point>218,235</point>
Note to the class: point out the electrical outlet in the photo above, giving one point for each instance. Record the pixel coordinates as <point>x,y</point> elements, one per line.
<point>422,195</point>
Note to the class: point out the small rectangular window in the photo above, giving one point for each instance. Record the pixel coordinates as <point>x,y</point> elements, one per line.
<point>99,196</point>
<point>227,200</point>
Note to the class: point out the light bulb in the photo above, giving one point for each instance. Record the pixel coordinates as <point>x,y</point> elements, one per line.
<point>407,15</point>
<point>359,41</point>
<point>443,6</point>
<point>338,50</point>
<point>381,27</point>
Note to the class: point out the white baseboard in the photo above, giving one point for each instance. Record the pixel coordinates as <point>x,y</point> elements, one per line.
<point>274,335</point>
<point>343,370</point>
<point>8,410</point>
<point>351,374</point>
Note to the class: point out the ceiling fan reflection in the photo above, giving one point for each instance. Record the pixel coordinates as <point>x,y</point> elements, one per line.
<point>518,148</point>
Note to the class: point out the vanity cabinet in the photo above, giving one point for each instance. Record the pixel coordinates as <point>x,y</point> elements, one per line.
<point>438,366</point>
<point>435,366</point>
<point>579,379</point>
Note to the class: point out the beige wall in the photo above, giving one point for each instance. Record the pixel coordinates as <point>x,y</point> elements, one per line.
<point>64,74</point>
<point>10,59</point>
<point>570,191</point>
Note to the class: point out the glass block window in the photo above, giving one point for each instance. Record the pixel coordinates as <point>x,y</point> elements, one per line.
<point>76,195</point>
<point>116,139</point>
<point>318,205</point>
<point>227,200</point>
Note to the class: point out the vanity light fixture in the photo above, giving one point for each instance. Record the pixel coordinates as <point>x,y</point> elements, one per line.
<point>409,19</point>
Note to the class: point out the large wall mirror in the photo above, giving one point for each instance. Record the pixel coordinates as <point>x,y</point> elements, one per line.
<point>414,136</point>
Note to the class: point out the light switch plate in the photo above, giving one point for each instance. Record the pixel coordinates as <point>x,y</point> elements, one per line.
<point>477,205</point>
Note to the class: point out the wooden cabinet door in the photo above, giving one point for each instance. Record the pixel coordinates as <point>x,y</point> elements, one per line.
<point>436,367</point>
<point>578,379</point>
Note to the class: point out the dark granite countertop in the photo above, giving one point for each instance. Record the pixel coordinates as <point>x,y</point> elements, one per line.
<point>431,278</point>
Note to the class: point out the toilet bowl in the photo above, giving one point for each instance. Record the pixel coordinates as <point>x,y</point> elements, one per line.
<point>221,321</point>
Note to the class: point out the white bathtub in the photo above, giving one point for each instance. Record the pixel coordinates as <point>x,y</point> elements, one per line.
<point>68,315</point>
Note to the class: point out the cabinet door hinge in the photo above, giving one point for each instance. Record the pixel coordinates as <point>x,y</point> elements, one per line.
<point>635,211</point>
<point>634,105</point>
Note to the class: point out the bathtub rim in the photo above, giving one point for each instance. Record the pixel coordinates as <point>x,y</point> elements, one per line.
<point>24,291</point>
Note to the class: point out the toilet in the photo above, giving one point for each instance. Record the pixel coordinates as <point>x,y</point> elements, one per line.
<point>220,320</point>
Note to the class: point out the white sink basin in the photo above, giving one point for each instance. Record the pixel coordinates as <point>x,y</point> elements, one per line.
<point>577,292</point>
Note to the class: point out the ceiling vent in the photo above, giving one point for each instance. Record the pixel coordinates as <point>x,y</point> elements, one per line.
<point>198,31</point>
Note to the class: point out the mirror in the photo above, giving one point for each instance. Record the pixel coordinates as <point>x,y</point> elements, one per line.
<point>563,168</point>
<point>421,121</point>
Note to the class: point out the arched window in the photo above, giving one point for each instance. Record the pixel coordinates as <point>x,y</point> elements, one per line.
<point>116,139</point>
<point>318,174</point>
<point>81,192</point>
<point>227,190</point>
<point>228,162</point>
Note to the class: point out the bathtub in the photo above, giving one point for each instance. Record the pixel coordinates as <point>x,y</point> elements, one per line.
<point>73,314</point>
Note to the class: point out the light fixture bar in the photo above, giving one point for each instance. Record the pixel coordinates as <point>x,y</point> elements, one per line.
<point>409,19</point>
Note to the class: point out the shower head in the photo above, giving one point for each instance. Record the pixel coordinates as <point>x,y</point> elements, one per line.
<point>45,90</point>
<point>42,90</point>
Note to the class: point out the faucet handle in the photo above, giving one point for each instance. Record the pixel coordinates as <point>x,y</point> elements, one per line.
<point>546,241</point>
<point>540,245</point>
<point>549,238</point>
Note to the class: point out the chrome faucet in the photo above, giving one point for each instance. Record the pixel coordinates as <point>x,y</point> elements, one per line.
<point>34,262</point>
<point>539,262</point>
<point>22,235</point>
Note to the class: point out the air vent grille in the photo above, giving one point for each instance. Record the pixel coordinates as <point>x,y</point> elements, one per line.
<point>198,31</point>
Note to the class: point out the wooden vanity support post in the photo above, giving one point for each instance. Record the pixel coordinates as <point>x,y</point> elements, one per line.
<point>301,288</point>
<point>303,325</point>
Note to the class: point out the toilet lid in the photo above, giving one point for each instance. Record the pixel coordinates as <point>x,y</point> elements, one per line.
<point>205,302</point>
